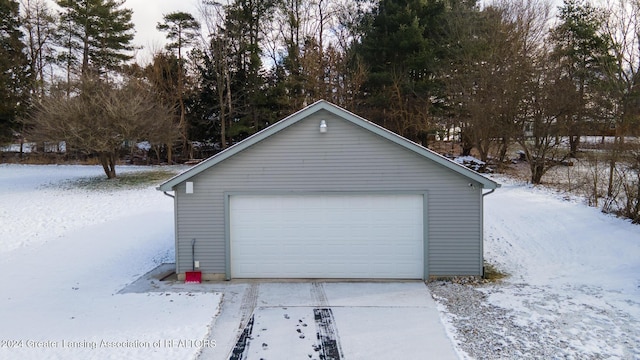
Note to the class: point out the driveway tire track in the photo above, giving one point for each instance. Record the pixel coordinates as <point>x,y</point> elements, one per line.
<point>248,305</point>
<point>318,294</point>
<point>249,302</point>
<point>239,351</point>
<point>327,334</point>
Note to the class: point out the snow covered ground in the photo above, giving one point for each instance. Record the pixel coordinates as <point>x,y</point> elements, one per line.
<point>66,252</point>
<point>64,255</point>
<point>574,285</point>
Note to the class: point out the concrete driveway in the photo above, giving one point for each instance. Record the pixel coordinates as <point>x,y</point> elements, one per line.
<point>327,320</point>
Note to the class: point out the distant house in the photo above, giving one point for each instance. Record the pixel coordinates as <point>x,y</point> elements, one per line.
<point>325,193</point>
<point>32,147</point>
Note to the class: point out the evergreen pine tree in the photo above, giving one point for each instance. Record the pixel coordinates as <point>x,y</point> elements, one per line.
<point>97,34</point>
<point>13,70</point>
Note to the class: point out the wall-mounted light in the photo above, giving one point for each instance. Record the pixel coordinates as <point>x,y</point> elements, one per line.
<point>323,126</point>
<point>189,189</point>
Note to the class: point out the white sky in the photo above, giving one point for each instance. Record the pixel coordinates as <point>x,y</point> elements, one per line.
<point>147,14</point>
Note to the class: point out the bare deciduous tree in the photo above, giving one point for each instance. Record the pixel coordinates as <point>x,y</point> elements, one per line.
<point>543,102</point>
<point>623,28</point>
<point>489,86</point>
<point>39,24</point>
<point>98,118</point>
<point>542,145</point>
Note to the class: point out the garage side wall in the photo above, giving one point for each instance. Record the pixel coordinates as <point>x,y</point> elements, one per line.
<point>347,158</point>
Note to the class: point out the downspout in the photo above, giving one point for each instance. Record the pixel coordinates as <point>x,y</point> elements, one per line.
<point>483,195</point>
<point>169,195</point>
<point>176,228</point>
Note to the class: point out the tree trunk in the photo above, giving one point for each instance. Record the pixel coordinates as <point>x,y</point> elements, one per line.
<point>85,44</point>
<point>157,150</point>
<point>574,142</point>
<point>108,161</point>
<point>229,102</point>
<point>223,120</point>
<point>612,165</point>
<point>612,170</point>
<point>537,170</point>
<point>636,214</point>
<point>186,151</point>
<point>483,150</point>
<point>504,146</point>
<point>467,145</point>
<point>22,143</point>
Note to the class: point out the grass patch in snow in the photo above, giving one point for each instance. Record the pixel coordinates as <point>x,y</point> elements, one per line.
<point>492,274</point>
<point>124,180</point>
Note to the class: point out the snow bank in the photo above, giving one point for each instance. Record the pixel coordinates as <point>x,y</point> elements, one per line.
<point>573,288</point>
<point>543,239</point>
<point>473,163</point>
<point>575,274</point>
<point>65,254</point>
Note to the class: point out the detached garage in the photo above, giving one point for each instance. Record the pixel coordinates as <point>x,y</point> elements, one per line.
<point>327,194</point>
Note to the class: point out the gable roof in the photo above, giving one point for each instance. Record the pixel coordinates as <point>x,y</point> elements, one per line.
<point>343,114</point>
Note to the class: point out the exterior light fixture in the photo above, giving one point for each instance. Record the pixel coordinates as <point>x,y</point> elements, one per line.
<point>323,126</point>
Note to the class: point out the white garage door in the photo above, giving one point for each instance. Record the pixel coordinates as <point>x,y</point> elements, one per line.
<point>327,236</point>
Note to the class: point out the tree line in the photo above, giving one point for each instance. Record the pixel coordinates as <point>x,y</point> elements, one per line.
<point>494,77</point>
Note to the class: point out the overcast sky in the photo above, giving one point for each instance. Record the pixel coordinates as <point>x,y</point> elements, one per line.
<point>147,14</point>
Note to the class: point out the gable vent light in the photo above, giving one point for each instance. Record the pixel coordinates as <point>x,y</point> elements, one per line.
<point>323,126</point>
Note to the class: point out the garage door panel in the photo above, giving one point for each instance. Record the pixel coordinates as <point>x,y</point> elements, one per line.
<point>328,236</point>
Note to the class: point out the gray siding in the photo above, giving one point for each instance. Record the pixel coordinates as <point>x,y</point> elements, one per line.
<point>346,158</point>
